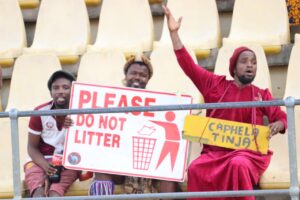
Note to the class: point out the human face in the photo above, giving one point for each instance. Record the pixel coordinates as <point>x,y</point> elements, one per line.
<point>60,92</point>
<point>245,70</point>
<point>137,76</point>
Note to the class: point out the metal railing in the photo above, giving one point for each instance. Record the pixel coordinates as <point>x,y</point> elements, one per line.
<point>289,103</point>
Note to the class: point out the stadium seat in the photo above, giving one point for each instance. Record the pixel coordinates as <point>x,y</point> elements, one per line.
<point>126,26</point>
<point>93,2</point>
<point>263,77</point>
<point>6,183</point>
<point>200,27</point>
<point>168,76</point>
<point>29,4</point>
<point>79,188</point>
<point>102,68</point>
<point>28,89</point>
<point>195,149</point>
<point>12,32</point>
<point>277,175</point>
<point>63,28</point>
<point>260,22</point>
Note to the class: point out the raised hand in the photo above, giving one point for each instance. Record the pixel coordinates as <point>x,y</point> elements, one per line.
<point>173,25</point>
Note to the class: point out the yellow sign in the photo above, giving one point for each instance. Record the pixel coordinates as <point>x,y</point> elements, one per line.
<point>225,133</point>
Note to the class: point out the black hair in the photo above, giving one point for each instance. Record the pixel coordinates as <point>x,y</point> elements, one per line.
<point>60,74</point>
<point>141,63</point>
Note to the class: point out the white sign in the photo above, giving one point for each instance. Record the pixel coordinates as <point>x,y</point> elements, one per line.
<point>144,144</point>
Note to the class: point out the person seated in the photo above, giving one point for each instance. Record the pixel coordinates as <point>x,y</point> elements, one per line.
<point>138,71</point>
<point>218,168</point>
<point>47,134</point>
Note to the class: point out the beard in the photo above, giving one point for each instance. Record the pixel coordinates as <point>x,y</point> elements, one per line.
<point>244,80</point>
<point>61,106</point>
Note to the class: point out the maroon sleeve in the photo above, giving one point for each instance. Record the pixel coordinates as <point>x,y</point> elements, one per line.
<point>274,113</point>
<point>35,123</point>
<point>202,78</point>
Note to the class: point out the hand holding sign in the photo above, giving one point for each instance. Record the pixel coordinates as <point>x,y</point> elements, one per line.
<point>224,133</point>
<point>275,128</point>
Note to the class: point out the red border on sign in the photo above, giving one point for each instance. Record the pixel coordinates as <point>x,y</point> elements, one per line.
<point>122,173</point>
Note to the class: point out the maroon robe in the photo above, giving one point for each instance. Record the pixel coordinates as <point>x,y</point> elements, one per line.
<point>219,168</point>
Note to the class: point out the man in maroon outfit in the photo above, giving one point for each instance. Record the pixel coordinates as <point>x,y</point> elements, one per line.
<point>217,168</point>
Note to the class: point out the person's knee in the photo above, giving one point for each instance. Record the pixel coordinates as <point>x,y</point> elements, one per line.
<point>53,193</point>
<point>240,162</point>
<point>168,186</point>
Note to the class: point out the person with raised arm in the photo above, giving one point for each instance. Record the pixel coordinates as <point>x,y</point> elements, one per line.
<point>218,168</point>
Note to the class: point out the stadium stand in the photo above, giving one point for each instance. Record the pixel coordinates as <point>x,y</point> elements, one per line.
<point>200,27</point>
<point>12,32</point>
<point>130,30</point>
<point>263,77</point>
<point>253,21</point>
<point>62,27</point>
<point>277,175</point>
<point>28,89</point>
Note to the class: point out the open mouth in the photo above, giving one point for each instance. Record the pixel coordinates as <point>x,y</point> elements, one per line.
<point>249,73</point>
<point>61,100</point>
<point>135,84</point>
